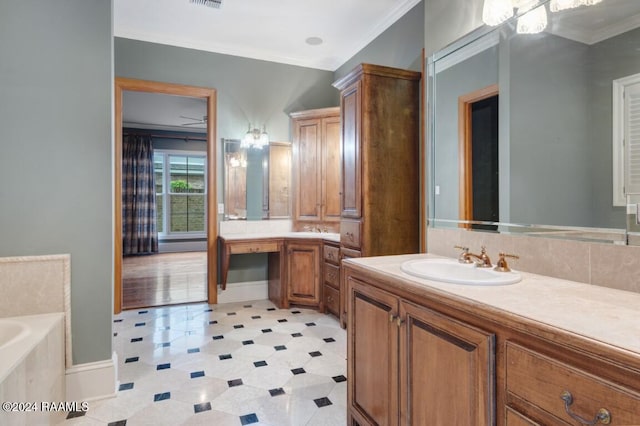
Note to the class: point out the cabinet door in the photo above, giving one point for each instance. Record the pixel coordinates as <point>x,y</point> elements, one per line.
<point>446,370</point>
<point>351,151</point>
<point>307,151</point>
<point>303,273</point>
<point>372,355</point>
<point>331,169</point>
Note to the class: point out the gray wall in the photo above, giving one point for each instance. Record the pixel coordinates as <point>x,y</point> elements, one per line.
<point>549,131</point>
<point>398,46</point>
<point>248,90</point>
<point>448,20</point>
<point>55,131</point>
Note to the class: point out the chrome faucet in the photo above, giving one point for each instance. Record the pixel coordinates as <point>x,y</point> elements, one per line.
<point>482,259</point>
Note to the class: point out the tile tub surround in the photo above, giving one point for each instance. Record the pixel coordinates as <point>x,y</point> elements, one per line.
<point>226,364</point>
<point>32,368</point>
<point>32,285</point>
<point>605,265</point>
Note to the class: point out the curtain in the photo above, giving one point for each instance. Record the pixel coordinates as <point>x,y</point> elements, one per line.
<point>138,196</point>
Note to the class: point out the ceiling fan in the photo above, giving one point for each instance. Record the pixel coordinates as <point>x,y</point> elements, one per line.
<point>195,122</point>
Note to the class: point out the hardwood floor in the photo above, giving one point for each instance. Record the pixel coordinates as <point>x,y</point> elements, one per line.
<point>164,279</point>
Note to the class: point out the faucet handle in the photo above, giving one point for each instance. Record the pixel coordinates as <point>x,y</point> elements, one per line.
<point>484,261</point>
<point>501,264</point>
<point>464,256</point>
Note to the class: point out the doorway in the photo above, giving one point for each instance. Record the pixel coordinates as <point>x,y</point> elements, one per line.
<point>209,96</point>
<point>478,158</point>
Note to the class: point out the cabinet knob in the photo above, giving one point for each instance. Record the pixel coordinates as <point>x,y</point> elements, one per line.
<point>603,415</point>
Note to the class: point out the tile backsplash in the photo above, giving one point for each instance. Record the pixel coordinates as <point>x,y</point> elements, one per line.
<point>605,265</point>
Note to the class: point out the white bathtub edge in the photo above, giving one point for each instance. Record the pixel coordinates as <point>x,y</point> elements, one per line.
<point>93,380</point>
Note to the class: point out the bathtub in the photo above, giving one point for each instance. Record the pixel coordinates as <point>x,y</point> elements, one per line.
<point>32,367</point>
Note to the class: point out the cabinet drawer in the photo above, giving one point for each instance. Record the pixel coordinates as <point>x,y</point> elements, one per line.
<point>331,275</point>
<point>254,247</point>
<point>331,254</point>
<point>540,381</point>
<point>350,233</point>
<point>332,300</point>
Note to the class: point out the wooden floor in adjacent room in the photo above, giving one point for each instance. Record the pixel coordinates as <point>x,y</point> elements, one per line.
<point>164,279</point>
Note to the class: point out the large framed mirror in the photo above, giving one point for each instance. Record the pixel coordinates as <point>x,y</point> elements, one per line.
<point>257,182</point>
<point>525,131</point>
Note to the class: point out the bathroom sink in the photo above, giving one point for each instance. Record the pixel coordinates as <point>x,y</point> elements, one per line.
<point>452,271</point>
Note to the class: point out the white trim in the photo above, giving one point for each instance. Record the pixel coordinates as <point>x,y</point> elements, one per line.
<point>619,196</point>
<point>244,292</point>
<point>92,381</point>
<point>479,45</point>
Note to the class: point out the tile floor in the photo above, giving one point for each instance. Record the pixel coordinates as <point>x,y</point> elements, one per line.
<point>228,364</point>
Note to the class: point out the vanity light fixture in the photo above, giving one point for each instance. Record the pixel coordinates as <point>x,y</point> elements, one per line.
<point>495,12</point>
<point>254,138</point>
<point>558,5</point>
<point>531,21</point>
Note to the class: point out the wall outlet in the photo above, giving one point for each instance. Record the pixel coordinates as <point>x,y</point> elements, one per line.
<point>220,208</point>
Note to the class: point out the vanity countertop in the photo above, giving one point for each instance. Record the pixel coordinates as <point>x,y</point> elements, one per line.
<point>602,314</point>
<point>328,236</point>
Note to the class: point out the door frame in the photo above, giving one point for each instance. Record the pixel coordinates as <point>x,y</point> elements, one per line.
<point>465,150</point>
<point>134,85</point>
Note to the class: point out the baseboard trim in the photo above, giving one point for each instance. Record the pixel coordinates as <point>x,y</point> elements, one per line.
<point>244,292</point>
<point>93,380</point>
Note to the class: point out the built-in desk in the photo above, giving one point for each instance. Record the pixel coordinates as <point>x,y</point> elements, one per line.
<point>274,246</point>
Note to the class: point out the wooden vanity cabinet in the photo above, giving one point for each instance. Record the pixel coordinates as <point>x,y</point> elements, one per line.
<point>303,266</point>
<point>331,278</point>
<point>537,381</point>
<point>416,356</point>
<point>316,168</point>
<point>380,115</point>
<point>410,365</point>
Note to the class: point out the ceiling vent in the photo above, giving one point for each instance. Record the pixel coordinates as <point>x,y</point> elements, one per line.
<point>211,3</point>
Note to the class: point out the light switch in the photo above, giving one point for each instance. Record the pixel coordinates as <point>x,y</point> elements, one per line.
<point>437,189</point>
<point>220,208</point>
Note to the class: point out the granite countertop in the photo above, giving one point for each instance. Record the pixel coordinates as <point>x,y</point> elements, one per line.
<point>328,236</point>
<point>606,315</point>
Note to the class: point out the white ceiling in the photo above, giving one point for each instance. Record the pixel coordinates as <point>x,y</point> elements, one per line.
<point>273,31</point>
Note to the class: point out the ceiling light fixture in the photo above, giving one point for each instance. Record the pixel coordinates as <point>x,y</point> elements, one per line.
<point>255,139</point>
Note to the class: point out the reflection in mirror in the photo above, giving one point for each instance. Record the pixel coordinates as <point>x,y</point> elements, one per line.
<point>257,182</point>
<point>545,154</point>
<point>279,180</point>
<point>235,180</point>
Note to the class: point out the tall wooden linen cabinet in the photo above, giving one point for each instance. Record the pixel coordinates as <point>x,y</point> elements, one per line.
<point>379,194</point>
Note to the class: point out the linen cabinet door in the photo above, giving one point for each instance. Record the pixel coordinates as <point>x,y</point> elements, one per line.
<point>372,356</point>
<point>447,372</point>
<point>307,171</point>
<point>351,193</point>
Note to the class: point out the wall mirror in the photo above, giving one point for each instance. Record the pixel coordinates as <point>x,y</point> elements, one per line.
<point>257,182</point>
<point>522,125</point>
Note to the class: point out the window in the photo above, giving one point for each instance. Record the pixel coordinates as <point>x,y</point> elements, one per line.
<point>626,138</point>
<point>180,193</point>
